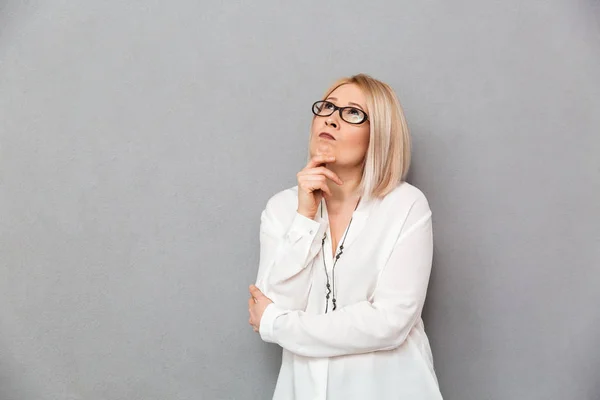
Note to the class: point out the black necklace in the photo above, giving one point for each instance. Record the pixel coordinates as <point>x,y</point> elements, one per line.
<point>337,257</point>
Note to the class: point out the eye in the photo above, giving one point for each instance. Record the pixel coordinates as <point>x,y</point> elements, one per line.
<point>328,106</point>
<point>355,111</point>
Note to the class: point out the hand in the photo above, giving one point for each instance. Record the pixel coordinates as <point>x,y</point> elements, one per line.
<point>256,306</point>
<point>312,182</point>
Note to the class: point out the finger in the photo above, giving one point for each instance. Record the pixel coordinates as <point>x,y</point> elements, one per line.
<point>313,183</point>
<point>317,160</point>
<point>322,171</point>
<point>255,292</point>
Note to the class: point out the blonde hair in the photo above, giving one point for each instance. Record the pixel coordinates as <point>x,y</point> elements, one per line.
<point>387,159</point>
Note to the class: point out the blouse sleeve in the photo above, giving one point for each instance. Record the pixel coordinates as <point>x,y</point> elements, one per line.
<point>367,326</point>
<point>285,254</point>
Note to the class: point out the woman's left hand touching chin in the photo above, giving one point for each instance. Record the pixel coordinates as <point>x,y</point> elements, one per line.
<point>256,306</point>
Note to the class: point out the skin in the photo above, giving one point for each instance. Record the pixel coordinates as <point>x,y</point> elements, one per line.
<point>334,173</point>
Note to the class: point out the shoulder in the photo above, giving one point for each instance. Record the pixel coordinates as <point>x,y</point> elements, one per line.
<point>406,204</point>
<point>283,200</point>
<point>406,195</point>
<point>280,209</point>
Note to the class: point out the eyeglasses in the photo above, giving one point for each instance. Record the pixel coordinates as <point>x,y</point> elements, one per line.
<point>351,115</point>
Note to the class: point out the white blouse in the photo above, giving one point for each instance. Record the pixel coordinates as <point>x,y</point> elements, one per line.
<point>373,346</point>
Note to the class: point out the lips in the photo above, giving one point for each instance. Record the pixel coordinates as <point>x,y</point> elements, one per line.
<point>326,135</point>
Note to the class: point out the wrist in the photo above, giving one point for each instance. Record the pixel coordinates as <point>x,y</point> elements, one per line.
<point>307,214</point>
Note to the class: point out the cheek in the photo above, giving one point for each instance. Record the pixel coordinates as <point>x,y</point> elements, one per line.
<point>356,144</point>
<point>360,139</point>
<point>313,125</point>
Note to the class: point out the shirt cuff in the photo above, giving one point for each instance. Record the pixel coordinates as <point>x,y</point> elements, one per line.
<point>304,227</point>
<point>267,320</point>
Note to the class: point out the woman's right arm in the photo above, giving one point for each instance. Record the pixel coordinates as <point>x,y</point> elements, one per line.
<point>287,248</point>
<point>285,254</point>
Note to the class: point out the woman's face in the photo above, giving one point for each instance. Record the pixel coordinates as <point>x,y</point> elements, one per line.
<point>351,141</point>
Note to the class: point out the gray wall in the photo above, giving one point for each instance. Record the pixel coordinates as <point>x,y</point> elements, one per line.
<point>140,141</point>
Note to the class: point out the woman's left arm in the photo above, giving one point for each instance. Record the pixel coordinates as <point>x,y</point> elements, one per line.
<point>382,324</point>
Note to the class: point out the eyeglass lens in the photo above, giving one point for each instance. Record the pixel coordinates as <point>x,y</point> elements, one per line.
<point>349,114</point>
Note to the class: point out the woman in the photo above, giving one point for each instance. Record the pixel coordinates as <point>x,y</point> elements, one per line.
<point>345,258</point>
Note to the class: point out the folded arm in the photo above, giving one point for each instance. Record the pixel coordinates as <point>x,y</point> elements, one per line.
<point>380,324</point>
<point>285,253</point>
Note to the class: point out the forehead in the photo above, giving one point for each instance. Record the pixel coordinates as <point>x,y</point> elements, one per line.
<point>349,93</point>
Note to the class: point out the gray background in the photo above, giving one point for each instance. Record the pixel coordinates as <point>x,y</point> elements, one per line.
<point>140,141</point>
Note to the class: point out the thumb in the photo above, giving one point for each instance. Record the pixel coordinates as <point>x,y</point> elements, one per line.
<point>255,292</point>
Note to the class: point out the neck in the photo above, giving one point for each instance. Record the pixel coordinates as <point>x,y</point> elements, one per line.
<point>347,194</point>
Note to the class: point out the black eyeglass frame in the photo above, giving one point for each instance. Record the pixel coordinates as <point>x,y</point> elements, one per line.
<point>340,110</point>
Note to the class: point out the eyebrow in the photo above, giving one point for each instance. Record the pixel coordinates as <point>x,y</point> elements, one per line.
<point>354,104</point>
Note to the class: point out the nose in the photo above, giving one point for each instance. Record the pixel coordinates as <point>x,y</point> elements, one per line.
<point>330,122</point>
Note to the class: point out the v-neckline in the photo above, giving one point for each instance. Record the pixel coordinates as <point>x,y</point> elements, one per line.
<point>330,236</point>
<point>357,222</point>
